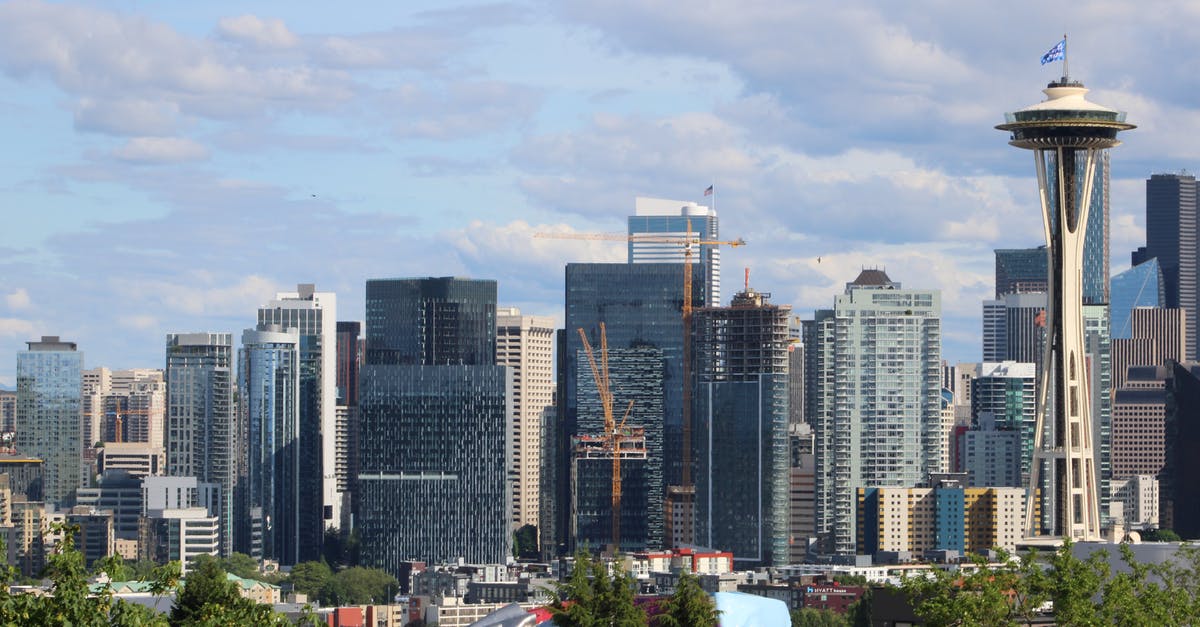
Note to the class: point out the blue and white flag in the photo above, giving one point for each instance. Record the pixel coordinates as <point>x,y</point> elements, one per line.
<point>1057,52</point>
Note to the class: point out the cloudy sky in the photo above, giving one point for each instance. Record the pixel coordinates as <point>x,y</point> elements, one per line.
<point>169,166</point>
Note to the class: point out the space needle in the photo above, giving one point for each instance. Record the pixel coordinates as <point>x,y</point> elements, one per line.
<point>1066,133</point>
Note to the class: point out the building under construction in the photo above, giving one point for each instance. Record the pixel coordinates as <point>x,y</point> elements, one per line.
<point>592,487</point>
<point>740,439</point>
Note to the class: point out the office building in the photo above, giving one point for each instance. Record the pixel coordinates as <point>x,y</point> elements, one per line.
<point>992,455</point>
<point>435,417</point>
<point>178,535</point>
<point>1139,427</point>
<point>1138,287</point>
<point>1098,351</point>
<point>1139,497</point>
<point>1180,492</point>
<point>314,315</point>
<point>24,475</point>
<point>1020,270</point>
<point>873,396</point>
<point>124,406</point>
<point>95,539</point>
<point>592,490</point>
<point>635,376</point>
<point>49,402</point>
<point>120,494</point>
<point>349,358</point>
<point>670,218</point>
<point>802,493</point>
<point>201,427</point>
<point>180,493</point>
<point>1157,335</point>
<point>1171,238</point>
<point>1014,328</point>
<point>641,307</point>
<point>525,345</point>
<point>740,431</point>
<point>138,459</point>
<point>270,490</point>
<point>1004,405</point>
<point>8,411</point>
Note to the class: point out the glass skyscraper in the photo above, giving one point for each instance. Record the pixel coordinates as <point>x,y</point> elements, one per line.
<point>658,216</point>
<point>314,315</point>
<point>1139,286</point>
<point>641,306</point>
<point>49,393</point>
<point>201,428</point>
<point>435,416</point>
<point>1172,237</point>
<point>741,429</point>
<point>269,490</point>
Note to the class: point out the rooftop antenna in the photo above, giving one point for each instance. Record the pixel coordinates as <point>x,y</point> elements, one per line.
<point>747,279</point>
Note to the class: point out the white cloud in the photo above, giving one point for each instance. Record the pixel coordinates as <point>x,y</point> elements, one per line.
<point>18,299</point>
<point>160,150</point>
<point>269,33</point>
<point>16,328</point>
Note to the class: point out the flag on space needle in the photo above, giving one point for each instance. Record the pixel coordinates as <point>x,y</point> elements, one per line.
<point>1057,52</point>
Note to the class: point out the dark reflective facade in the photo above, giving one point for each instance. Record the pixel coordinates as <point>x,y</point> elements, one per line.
<point>641,306</point>
<point>434,418</point>
<point>740,430</point>
<point>269,490</point>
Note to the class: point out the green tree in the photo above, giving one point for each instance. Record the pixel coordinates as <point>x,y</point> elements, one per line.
<point>1161,535</point>
<point>525,544</point>
<point>689,605</point>
<point>358,586</point>
<point>115,567</point>
<point>310,577</point>
<point>981,594</point>
<point>204,589</point>
<point>590,597</point>
<point>241,565</point>
<point>209,599</point>
<point>812,617</point>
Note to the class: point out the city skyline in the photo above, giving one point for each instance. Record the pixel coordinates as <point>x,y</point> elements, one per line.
<point>177,180</point>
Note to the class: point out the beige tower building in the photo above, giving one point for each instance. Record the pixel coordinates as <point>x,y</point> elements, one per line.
<point>526,345</point>
<point>123,406</point>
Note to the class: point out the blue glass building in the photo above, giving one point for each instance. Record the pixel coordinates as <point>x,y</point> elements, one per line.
<point>641,306</point>
<point>270,489</point>
<point>434,433</point>
<point>49,393</point>
<point>741,429</point>
<point>1140,286</point>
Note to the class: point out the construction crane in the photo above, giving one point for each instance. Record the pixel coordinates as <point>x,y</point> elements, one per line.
<point>611,438</point>
<point>689,240</point>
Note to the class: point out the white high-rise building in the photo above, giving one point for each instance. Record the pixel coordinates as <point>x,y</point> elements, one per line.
<point>873,396</point>
<point>659,216</point>
<point>526,345</point>
<point>314,315</point>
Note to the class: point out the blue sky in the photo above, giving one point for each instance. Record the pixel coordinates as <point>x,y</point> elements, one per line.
<point>167,167</point>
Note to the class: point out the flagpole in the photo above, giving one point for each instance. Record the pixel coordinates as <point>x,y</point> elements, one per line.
<point>1066,74</point>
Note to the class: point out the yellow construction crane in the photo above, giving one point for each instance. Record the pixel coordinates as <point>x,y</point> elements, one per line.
<point>688,241</point>
<point>611,438</point>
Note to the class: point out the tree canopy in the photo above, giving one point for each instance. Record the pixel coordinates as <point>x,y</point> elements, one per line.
<point>1077,591</point>
<point>590,597</point>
